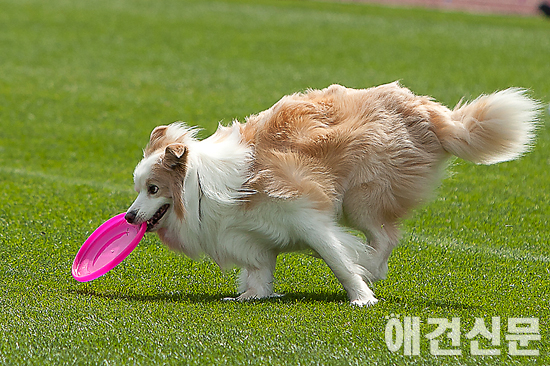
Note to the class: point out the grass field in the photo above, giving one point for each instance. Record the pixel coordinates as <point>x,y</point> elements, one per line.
<point>83,83</point>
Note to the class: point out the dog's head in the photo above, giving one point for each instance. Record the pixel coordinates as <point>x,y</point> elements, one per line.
<point>159,178</point>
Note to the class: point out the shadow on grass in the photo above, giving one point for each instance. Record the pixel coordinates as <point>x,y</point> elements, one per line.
<point>160,297</point>
<point>288,298</point>
<point>296,297</point>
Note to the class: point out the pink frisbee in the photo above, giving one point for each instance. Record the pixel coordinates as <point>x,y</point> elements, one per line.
<point>108,245</point>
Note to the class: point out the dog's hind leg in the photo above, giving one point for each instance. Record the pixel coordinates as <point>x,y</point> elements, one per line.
<point>383,238</point>
<point>343,252</point>
<point>362,212</point>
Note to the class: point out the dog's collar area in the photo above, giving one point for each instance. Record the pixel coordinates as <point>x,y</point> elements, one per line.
<point>201,194</point>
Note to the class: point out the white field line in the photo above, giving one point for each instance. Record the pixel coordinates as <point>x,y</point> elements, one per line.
<point>69,180</point>
<point>507,253</point>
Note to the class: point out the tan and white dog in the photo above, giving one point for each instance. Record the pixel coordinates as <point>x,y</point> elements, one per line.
<point>293,176</point>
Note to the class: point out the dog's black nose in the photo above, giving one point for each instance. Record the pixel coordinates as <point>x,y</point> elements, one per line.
<point>130,217</point>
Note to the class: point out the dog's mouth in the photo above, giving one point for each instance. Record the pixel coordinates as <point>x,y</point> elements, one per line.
<point>153,221</point>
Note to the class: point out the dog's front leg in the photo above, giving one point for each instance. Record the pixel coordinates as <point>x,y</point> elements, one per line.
<point>256,282</point>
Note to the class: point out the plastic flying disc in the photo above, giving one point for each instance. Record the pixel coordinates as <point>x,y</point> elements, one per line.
<point>108,245</point>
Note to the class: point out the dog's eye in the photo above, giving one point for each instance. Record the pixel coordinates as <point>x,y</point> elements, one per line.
<point>152,189</point>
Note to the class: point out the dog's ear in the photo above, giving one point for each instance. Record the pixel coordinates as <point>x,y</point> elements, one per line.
<point>175,156</point>
<point>156,140</point>
<point>158,133</point>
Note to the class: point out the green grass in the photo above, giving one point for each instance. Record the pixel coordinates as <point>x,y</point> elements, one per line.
<point>83,83</point>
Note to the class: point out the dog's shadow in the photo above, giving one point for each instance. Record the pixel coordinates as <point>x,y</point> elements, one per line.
<point>177,297</point>
<point>287,298</point>
<point>152,298</point>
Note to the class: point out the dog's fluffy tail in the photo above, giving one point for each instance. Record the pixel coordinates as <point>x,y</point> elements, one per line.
<point>491,129</point>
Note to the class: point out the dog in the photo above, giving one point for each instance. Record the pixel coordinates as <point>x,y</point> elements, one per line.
<point>293,177</point>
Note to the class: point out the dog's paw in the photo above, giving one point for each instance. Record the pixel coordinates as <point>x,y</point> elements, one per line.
<point>364,302</point>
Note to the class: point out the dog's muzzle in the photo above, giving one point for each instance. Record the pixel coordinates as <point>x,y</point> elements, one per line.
<point>130,217</point>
